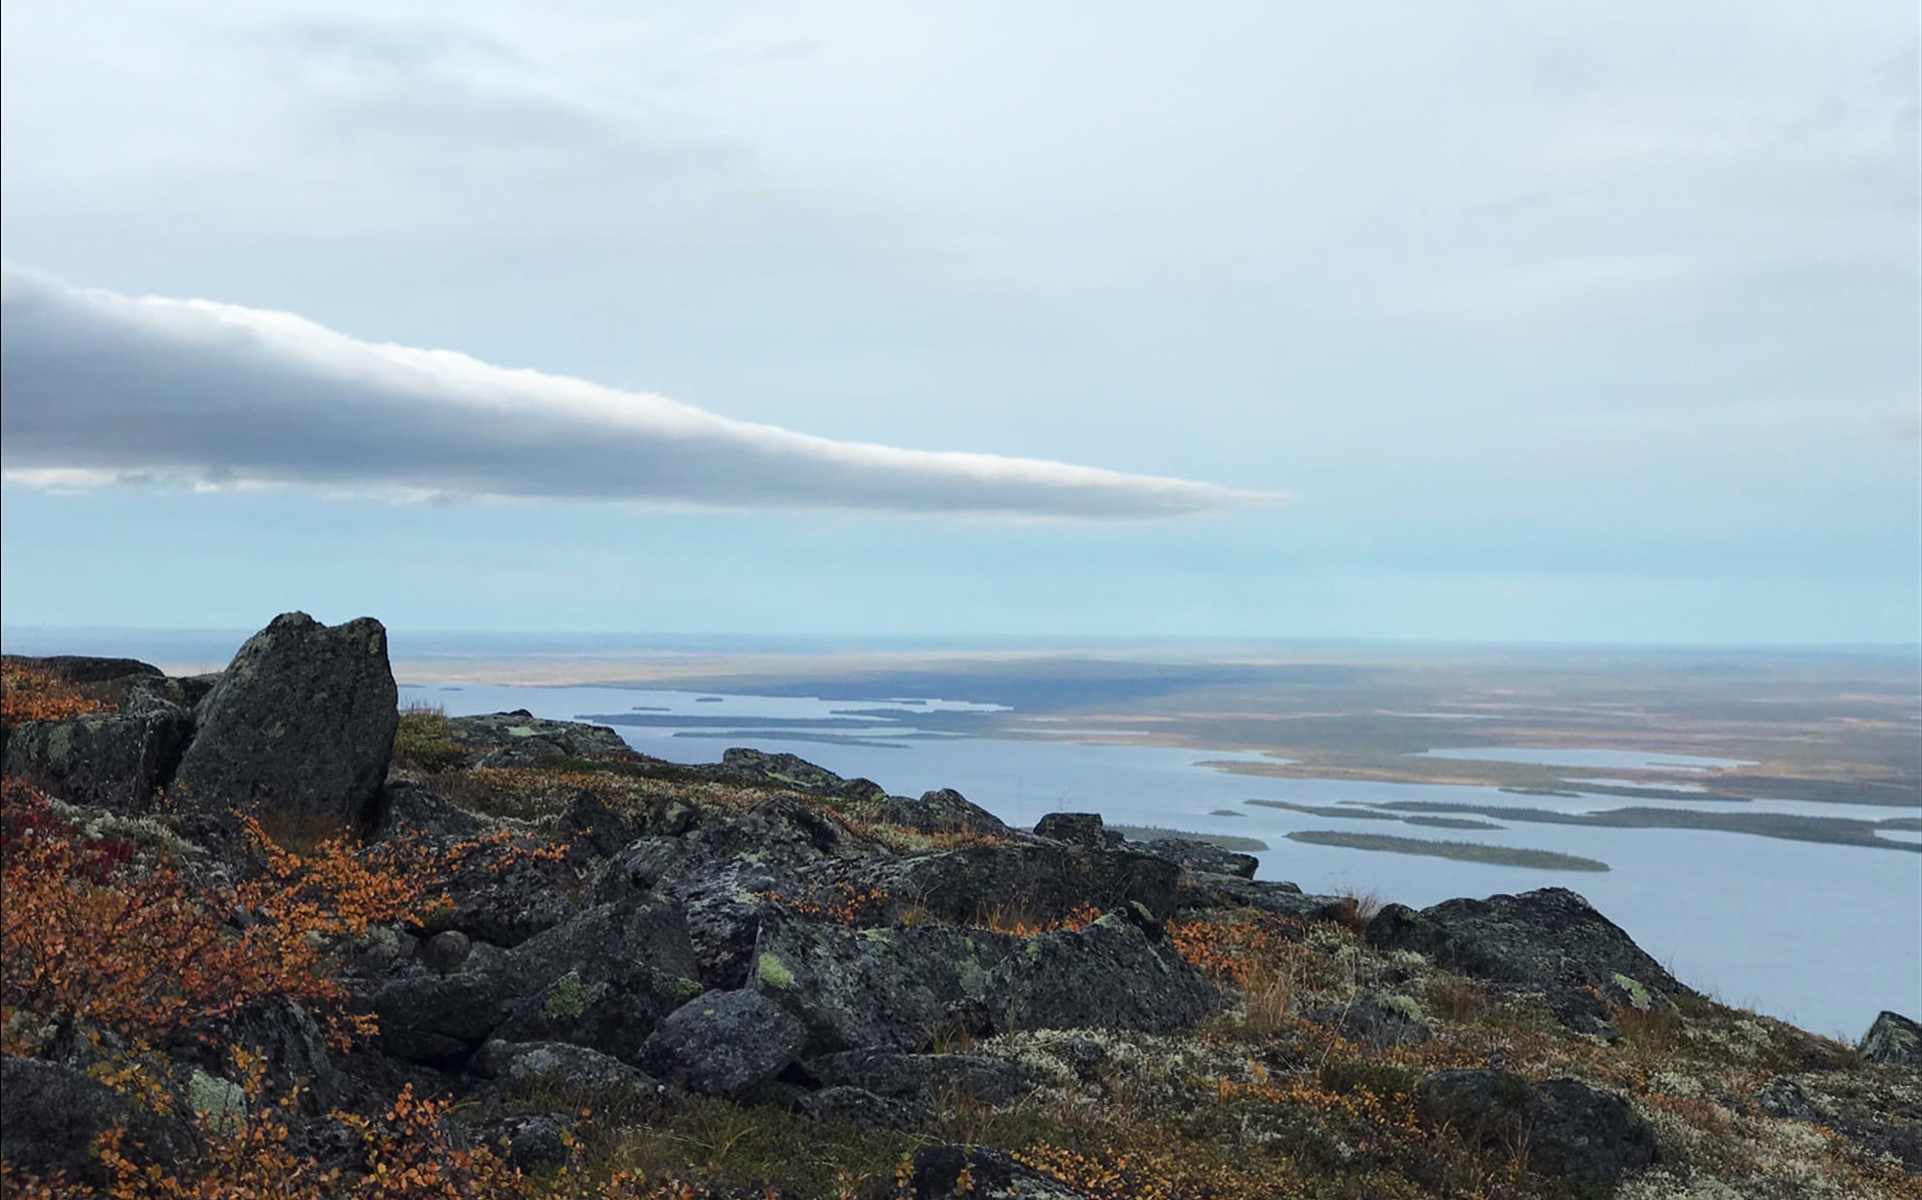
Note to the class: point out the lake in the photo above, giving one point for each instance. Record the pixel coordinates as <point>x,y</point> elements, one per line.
<point>1822,935</point>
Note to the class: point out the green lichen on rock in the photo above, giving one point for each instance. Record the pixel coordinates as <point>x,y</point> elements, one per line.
<point>1638,996</point>
<point>1407,1006</point>
<point>219,1103</point>
<point>567,999</point>
<point>773,972</point>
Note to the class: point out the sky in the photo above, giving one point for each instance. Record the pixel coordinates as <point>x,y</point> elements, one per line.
<point>1582,322</point>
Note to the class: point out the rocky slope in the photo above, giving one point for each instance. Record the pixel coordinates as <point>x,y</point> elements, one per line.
<point>757,978</point>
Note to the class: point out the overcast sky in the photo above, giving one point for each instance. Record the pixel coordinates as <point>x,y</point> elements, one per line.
<point>1567,322</point>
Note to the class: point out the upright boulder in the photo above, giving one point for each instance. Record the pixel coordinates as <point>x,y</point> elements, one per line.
<point>301,723</point>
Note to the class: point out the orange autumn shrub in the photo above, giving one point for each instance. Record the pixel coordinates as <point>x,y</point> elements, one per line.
<point>90,935</point>
<point>32,694</point>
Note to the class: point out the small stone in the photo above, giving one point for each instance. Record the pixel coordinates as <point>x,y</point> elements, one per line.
<point>445,952</point>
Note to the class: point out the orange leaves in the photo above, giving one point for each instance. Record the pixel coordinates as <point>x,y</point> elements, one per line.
<point>1017,923</point>
<point>852,906</point>
<point>1230,951</point>
<point>31,694</point>
<point>88,935</point>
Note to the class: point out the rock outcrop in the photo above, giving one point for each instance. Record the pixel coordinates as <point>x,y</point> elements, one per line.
<point>301,725</point>
<point>521,739</point>
<point>1566,1128</point>
<point>1891,1038</point>
<point>1552,941</point>
<point>724,1044</point>
<point>119,761</point>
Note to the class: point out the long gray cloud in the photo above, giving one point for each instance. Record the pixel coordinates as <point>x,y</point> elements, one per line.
<point>103,388</point>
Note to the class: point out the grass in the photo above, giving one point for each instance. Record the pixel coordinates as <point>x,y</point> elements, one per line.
<point>424,739</point>
<point>1504,856</point>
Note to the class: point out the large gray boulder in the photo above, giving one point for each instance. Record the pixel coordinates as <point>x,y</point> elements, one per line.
<point>528,1065</point>
<point>440,1020</point>
<point>301,724</point>
<point>724,872</point>
<point>1571,1130</point>
<point>1893,1038</point>
<point>724,1044</point>
<point>907,988</point>
<point>1545,939</point>
<point>1114,974</point>
<point>895,989</point>
<point>603,979</point>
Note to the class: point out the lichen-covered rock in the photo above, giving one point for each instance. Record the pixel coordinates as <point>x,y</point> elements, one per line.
<point>980,1173</point>
<point>724,873</point>
<point>1541,939</point>
<point>507,903</point>
<point>1571,1130</point>
<point>1201,890</point>
<point>520,739</point>
<point>941,811</point>
<point>594,830</point>
<point>1380,1021</point>
<point>724,1044</point>
<point>1196,855</point>
<point>410,810</point>
<point>527,1065</point>
<point>291,1046</point>
<point>857,1106</point>
<point>919,1081</point>
<point>439,1020</point>
<point>539,1142</point>
<point>51,1113</point>
<point>885,988</point>
<point>902,988</point>
<point>107,760</point>
<point>1892,1038</point>
<point>603,979</point>
<point>1114,974</point>
<point>1033,882</point>
<point>301,723</point>
<point>1077,829</point>
<point>785,770</point>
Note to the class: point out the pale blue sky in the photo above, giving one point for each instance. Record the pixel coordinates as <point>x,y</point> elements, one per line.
<point>1588,322</point>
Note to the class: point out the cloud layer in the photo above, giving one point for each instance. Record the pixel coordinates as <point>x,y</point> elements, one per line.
<point>105,388</point>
